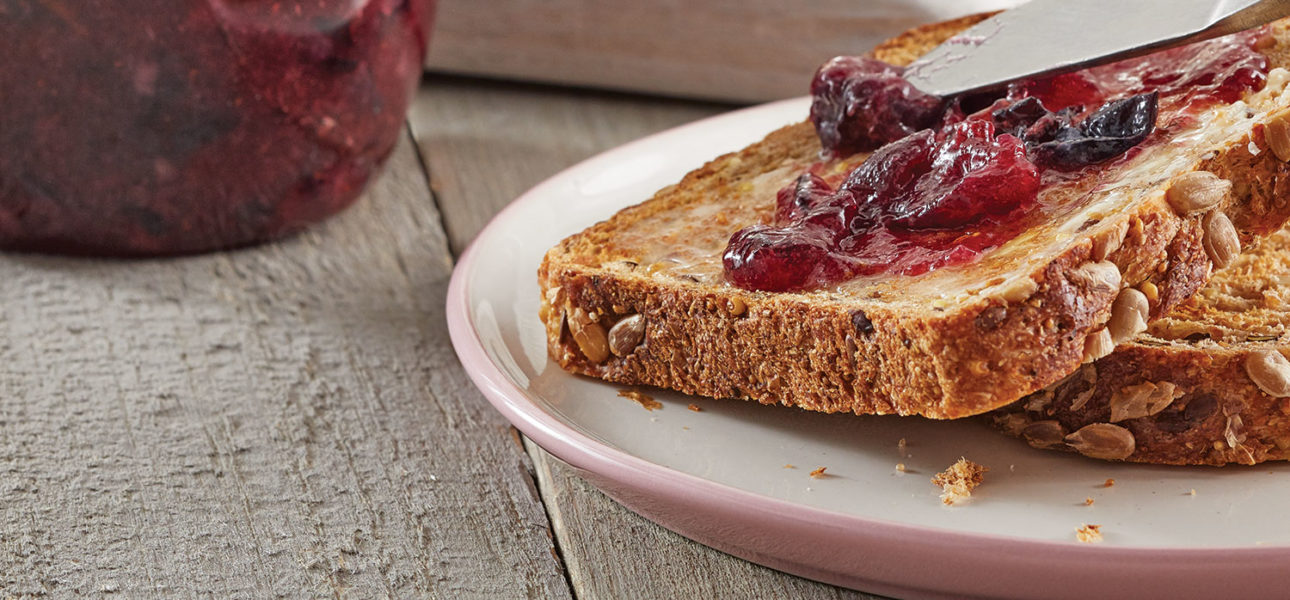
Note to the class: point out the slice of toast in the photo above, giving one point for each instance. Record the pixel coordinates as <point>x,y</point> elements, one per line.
<point>641,298</point>
<point>1208,384</point>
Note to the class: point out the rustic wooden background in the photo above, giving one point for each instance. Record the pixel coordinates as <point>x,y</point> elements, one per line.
<point>291,421</point>
<point>741,50</point>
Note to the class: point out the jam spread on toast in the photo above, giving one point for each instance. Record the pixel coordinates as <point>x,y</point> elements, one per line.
<point>951,178</point>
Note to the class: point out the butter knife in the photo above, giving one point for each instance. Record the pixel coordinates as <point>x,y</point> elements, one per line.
<point>1045,37</point>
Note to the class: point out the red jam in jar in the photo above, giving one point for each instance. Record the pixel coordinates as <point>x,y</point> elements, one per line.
<point>949,182</point>
<point>188,125</point>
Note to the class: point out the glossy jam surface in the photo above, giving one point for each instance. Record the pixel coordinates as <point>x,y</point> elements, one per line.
<point>861,103</point>
<point>1193,76</point>
<point>191,125</point>
<point>948,183</point>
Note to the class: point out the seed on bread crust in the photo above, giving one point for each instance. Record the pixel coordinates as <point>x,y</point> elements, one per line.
<point>1197,191</point>
<point>1044,434</point>
<point>1269,370</point>
<point>1150,291</point>
<point>1011,423</point>
<point>1039,401</point>
<point>626,335</point>
<point>1102,440</point>
<point>589,335</point>
<point>1142,400</point>
<point>1097,345</point>
<point>1128,315</point>
<point>1088,373</point>
<point>1221,242</point>
<point>1100,274</point>
<point>554,298</point>
<point>1109,241</point>
<point>737,307</point>
<point>1020,290</point>
<point>1232,431</point>
<point>1277,134</point>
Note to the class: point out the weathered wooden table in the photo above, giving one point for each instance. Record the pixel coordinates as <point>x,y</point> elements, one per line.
<point>290,420</point>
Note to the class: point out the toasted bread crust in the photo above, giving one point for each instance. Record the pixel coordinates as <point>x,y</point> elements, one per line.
<point>1221,417</point>
<point>831,354</point>
<point>1218,414</point>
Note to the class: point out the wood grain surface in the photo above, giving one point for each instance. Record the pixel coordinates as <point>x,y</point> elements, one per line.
<point>741,50</point>
<point>485,143</point>
<point>291,421</point>
<point>282,421</point>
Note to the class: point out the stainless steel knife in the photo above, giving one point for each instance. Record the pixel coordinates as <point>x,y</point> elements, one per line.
<point>1045,37</point>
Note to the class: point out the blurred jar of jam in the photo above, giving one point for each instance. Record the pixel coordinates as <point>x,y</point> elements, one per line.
<point>147,127</point>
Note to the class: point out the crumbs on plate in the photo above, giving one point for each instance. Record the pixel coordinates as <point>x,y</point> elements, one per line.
<point>694,407</point>
<point>1089,534</point>
<point>819,472</point>
<point>641,398</point>
<point>958,481</point>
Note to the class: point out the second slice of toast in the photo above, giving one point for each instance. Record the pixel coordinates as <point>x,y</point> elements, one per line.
<point>1207,384</point>
<point>641,298</point>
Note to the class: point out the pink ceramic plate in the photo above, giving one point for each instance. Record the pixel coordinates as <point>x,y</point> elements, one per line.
<point>719,476</point>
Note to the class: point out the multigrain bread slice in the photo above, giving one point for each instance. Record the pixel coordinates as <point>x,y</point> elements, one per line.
<point>641,298</point>
<point>1208,384</point>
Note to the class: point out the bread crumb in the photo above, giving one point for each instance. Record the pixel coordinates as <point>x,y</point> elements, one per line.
<point>958,481</point>
<point>1192,492</point>
<point>900,467</point>
<point>1089,534</point>
<point>901,445</point>
<point>641,398</point>
<point>695,408</point>
<point>790,466</point>
<point>1088,502</point>
<point>1108,483</point>
<point>819,472</point>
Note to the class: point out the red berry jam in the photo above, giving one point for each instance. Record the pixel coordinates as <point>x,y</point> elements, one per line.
<point>1193,76</point>
<point>189,125</point>
<point>860,103</point>
<point>945,187</point>
<point>930,199</point>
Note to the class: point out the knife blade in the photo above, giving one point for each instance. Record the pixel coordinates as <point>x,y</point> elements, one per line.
<point>1045,37</point>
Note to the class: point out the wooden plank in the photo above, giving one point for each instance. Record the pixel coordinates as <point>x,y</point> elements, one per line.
<point>485,144</point>
<point>488,142</point>
<point>593,529</point>
<point>742,50</point>
<point>287,420</point>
